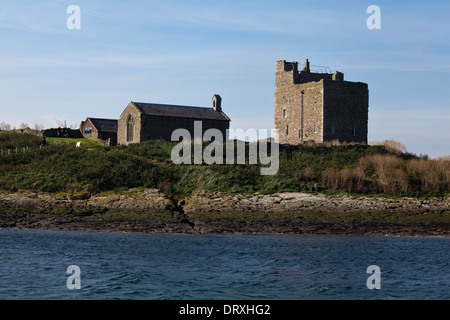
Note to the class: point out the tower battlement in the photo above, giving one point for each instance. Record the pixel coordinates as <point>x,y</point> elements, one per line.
<point>305,75</point>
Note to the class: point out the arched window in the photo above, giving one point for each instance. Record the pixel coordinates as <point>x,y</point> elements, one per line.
<point>130,128</point>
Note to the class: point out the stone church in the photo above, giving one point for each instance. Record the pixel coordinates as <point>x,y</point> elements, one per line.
<point>318,107</point>
<point>144,121</point>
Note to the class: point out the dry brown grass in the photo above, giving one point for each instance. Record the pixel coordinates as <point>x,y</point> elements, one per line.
<point>306,174</point>
<point>390,174</point>
<point>347,179</point>
<point>393,146</point>
<point>433,174</point>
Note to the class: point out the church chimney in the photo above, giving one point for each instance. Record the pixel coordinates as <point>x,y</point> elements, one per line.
<point>217,103</point>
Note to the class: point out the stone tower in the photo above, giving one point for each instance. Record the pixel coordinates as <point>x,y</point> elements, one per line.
<point>318,107</point>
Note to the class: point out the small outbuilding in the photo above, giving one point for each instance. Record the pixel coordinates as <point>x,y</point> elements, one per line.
<point>103,130</point>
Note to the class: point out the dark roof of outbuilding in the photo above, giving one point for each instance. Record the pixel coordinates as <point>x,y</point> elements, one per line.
<point>166,110</point>
<point>106,125</point>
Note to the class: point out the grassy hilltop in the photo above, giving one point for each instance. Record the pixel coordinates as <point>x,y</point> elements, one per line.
<point>357,169</point>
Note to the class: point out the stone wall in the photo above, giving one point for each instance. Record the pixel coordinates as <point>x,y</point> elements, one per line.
<point>132,111</point>
<point>318,107</point>
<point>299,113</point>
<point>161,127</point>
<point>107,138</point>
<point>346,107</point>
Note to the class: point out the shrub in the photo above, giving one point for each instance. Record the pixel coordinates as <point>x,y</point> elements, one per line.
<point>164,186</point>
<point>11,140</point>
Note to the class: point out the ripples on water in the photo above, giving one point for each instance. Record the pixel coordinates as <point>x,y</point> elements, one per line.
<point>171,266</point>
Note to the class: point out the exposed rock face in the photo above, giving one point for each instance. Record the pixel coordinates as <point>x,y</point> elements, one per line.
<point>148,200</point>
<point>218,212</point>
<point>133,211</point>
<point>307,213</point>
<point>294,202</point>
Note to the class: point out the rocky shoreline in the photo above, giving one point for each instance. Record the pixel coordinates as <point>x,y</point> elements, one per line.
<point>216,212</point>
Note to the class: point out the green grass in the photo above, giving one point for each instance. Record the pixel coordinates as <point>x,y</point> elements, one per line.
<point>85,143</point>
<point>61,167</point>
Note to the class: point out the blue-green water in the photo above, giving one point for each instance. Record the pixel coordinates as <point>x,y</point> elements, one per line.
<point>33,265</point>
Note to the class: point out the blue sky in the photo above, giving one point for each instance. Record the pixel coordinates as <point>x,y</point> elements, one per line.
<point>183,52</point>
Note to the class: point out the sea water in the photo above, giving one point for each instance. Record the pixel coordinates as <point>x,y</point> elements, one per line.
<point>34,265</point>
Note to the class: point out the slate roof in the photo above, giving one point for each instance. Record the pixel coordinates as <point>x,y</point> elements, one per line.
<point>156,109</point>
<point>105,125</point>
